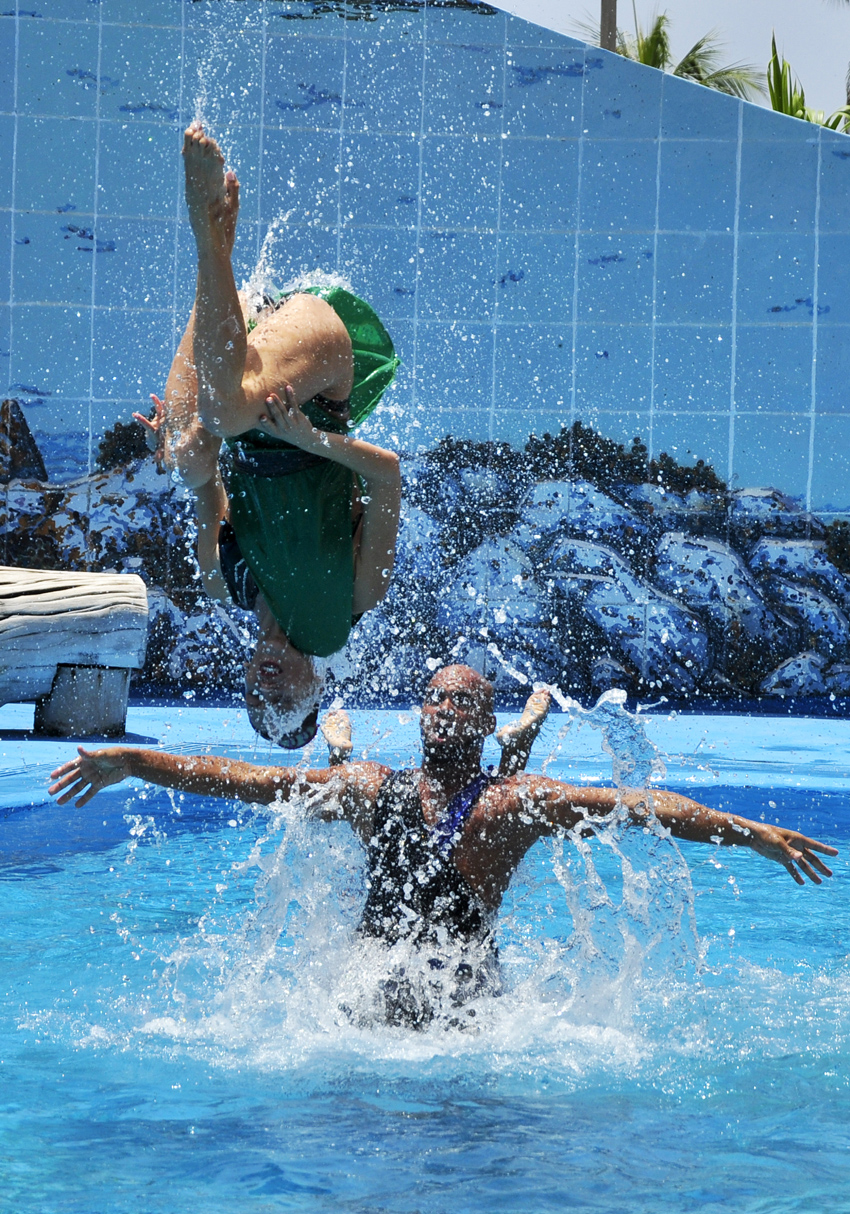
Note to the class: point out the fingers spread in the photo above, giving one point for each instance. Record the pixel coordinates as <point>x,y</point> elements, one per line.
<point>792,870</point>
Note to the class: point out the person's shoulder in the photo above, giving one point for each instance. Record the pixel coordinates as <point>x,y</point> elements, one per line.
<point>364,773</point>
<point>525,785</point>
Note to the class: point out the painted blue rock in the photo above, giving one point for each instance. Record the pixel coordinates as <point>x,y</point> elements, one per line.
<point>803,675</point>
<point>661,640</point>
<point>494,600</point>
<point>419,569</point>
<point>477,493</point>
<point>768,510</point>
<point>822,626</point>
<point>801,561</point>
<point>552,508</point>
<point>837,679</point>
<point>712,580</point>
<point>656,500</point>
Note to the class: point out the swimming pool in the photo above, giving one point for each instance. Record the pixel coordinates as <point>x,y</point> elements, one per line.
<point>174,972</point>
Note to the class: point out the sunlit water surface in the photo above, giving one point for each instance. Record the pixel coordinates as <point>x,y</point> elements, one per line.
<point>185,1024</point>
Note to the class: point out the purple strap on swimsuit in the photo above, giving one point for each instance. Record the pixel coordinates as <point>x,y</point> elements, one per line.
<point>457,811</point>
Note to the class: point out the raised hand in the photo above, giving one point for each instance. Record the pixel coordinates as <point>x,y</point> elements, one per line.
<point>793,851</point>
<point>155,427</point>
<point>286,421</point>
<point>86,775</point>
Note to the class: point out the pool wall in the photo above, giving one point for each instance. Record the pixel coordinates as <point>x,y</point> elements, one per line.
<point>562,243</point>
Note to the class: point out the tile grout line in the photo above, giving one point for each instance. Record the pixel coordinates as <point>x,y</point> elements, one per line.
<point>94,229</point>
<point>485,616</point>
<point>339,159</point>
<point>579,167</point>
<point>653,334</point>
<point>815,289</point>
<point>733,341</point>
<point>261,149</point>
<point>14,199</point>
<point>416,270</point>
<point>733,369</point>
<point>177,200</point>
<point>654,317</point>
<point>498,259</point>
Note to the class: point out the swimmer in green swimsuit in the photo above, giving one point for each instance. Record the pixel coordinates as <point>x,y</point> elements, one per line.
<point>314,512</point>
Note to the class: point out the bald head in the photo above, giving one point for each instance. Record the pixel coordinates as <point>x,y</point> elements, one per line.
<point>464,678</point>
<point>457,712</point>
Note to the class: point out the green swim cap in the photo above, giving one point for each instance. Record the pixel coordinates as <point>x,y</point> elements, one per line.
<point>375,359</point>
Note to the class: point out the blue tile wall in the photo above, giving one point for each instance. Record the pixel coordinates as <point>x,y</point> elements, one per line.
<point>693,368</point>
<point>550,231</point>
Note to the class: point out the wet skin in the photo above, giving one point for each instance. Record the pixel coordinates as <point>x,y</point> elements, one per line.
<point>224,382</point>
<point>508,818</point>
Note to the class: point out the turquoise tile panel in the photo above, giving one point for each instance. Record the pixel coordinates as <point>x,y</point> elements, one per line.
<point>381,265</point>
<point>622,100</point>
<point>383,86</point>
<point>305,83</point>
<point>693,368</point>
<point>613,367</point>
<point>690,111</point>
<point>695,276</point>
<point>533,368</point>
<point>833,369</point>
<point>469,292</point>
<point>140,74</point>
<point>615,278</point>
<point>774,368</point>
<point>834,277</point>
<point>534,277</point>
<point>55,166</point>
<point>690,437</point>
<point>779,185</point>
<point>460,181</point>
<point>539,185</point>
<point>831,467</point>
<point>543,90</point>
<point>57,69</point>
<point>380,180</point>
<point>455,365</point>
<point>697,185</point>
<point>615,174</point>
<point>776,279</point>
<point>772,451</point>
<point>51,351</point>
<point>834,213</point>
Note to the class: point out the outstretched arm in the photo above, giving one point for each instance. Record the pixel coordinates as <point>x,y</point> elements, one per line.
<point>352,787</point>
<point>209,775</point>
<point>379,471</point>
<point>566,805</point>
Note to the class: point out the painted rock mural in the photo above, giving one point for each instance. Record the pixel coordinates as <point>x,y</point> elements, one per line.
<point>575,560</point>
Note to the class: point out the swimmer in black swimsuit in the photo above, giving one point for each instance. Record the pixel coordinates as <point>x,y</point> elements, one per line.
<point>444,840</point>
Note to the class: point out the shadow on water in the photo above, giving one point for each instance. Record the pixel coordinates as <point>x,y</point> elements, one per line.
<point>94,739</point>
<point>36,840</point>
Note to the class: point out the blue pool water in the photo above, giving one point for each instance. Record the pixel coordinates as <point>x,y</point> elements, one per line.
<point>673,1033</point>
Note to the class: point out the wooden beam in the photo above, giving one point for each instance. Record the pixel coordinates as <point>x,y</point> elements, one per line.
<point>50,619</point>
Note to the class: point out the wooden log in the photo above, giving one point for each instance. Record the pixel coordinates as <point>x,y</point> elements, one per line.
<point>53,619</point>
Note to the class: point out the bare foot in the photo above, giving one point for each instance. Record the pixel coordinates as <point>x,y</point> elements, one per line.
<point>336,730</point>
<point>517,737</point>
<point>212,195</point>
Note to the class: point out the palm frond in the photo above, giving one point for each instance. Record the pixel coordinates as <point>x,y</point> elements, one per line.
<point>786,92</point>
<point>702,64</point>
<point>653,47</point>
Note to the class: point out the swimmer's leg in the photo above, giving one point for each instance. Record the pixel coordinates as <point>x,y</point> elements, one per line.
<point>220,332</point>
<point>336,730</point>
<point>517,737</point>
